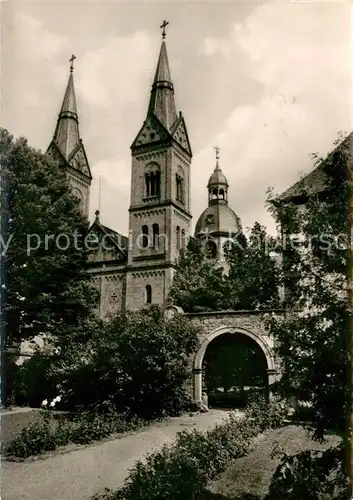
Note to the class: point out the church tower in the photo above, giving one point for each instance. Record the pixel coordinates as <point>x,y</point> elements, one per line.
<point>159,213</point>
<point>67,147</point>
<point>218,224</point>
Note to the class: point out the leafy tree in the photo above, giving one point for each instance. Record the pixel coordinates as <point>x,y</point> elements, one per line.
<point>314,339</point>
<point>314,343</point>
<point>198,284</point>
<point>250,279</point>
<point>45,290</point>
<point>253,278</point>
<point>45,285</point>
<point>139,363</point>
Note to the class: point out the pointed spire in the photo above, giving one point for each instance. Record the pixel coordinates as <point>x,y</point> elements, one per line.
<point>66,135</point>
<point>162,103</point>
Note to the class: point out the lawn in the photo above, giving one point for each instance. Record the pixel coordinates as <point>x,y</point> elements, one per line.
<point>12,422</point>
<point>250,476</point>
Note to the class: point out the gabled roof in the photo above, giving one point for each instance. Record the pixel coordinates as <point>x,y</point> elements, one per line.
<point>118,240</point>
<point>180,134</point>
<point>313,183</point>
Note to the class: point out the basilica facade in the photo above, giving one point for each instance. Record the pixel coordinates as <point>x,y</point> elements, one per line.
<point>135,271</point>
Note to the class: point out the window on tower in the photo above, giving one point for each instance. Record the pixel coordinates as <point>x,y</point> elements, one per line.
<point>221,194</point>
<point>178,240</point>
<point>147,184</point>
<point>152,180</point>
<point>148,294</point>
<point>183,239</point>
<point>144,236</point>
<point>179,181</point>
<point>211,249</point>
<point>155,229</point>
<point>152,183</point>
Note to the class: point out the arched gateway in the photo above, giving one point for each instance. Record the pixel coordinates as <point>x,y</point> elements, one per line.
<point>213,325</point>
<point>199,357</point>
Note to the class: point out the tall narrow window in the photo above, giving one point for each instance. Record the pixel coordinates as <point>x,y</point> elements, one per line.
<point>221,194</point>
<point>211,249</point>
<point>183,239</point>
<point>144,236</point>
<point>155,229</point>
<point>152,179</point>
<point>178,242</point>
<point>177,181</point>
<point>147,182</point>
<point>148,294</point>
<point>157,183</point>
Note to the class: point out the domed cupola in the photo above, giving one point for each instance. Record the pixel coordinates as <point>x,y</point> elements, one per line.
<point>217,184</point>
<point>218,219</point>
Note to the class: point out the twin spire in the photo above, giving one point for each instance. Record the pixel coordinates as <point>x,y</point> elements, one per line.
<point>162,103</point>
<point>66,135</point>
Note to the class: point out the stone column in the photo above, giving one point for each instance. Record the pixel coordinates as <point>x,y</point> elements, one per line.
<point>197,387</point>
<point>272,377</point>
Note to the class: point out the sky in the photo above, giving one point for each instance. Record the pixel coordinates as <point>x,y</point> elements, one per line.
<point>269,82</point>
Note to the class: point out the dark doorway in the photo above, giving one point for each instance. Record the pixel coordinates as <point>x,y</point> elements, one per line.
<point>235,371</point>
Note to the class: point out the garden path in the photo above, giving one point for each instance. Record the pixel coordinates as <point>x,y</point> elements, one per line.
<point>78,474</point>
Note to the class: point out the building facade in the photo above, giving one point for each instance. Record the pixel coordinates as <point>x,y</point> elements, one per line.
<point>133,272</point>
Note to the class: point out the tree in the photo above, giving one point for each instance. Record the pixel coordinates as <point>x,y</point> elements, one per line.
<point>45,287</point>
<point>139,363</point>
<point>254,277</point>
<point>250,282</point>
<point>198,284</point>
<point>314,342</point>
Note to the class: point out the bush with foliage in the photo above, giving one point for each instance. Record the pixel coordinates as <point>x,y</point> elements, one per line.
<point>198,284</point>
<point>139,363</point>
<point>315,343</point>
<point>181,471</point>
<point>311,476</point>
<point>265,414</point>
<point>31,381</point>
<point>251,280</point>
<point>49,432</point>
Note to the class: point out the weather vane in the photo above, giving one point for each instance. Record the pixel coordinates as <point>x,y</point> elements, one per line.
<point>217,149</point>
<point>163,27</point>
<point>72,58</point>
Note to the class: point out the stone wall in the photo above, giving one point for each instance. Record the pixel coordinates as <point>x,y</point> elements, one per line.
<point>247,320</point>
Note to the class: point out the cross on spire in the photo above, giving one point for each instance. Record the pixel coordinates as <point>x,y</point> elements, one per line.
<point>163,27</point>
<point>71,60</point>
<point>217,149</point>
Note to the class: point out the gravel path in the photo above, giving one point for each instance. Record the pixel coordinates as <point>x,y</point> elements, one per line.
<point>79,474</point>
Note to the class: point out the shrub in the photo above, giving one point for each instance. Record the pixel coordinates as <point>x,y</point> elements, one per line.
<point>265,414</point>
<point>34,439</point>
<point>31,381</point>
<point>138,362</point>
<point>312,476</point>
<point>47,433</point>
<point>182,470</point>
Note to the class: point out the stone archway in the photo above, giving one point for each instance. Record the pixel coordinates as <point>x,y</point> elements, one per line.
<point>199,357</point>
